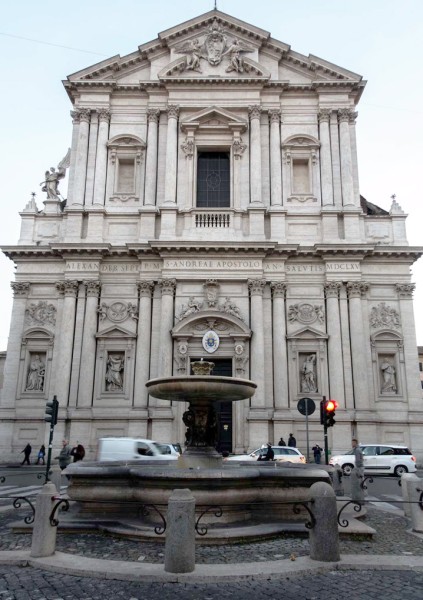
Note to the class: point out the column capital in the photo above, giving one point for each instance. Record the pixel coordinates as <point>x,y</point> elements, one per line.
<point>278,288</point>
<point>20,289</point>
<point>172,111</point>
<point>356,289</point>
<point>145,288</point>
<point>254,111</point>
<point>332,289</point>
<point>256,286</point>
<point>81,114</point>
<point>68,288</point>
<point>275,115</point>
<point>153,115</point>
<point>345,114</point>
<point>93,287</point>
<point>104,114</point>
<point>323,115</point>
<point>405,290</point>
<point>168,286</point>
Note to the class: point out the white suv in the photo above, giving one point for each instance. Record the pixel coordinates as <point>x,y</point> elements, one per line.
<point>378,458</point>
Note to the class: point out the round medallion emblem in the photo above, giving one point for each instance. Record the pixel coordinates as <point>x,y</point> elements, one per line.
<point>210,341</point>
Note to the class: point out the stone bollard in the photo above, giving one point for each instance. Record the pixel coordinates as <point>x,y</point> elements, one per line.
<point>55,476</point>
<point>43,534</point>
<point>407,480</point>
<point>415,490</point>
<point>324,539</point>
<point>337,481</point>
<point>357,492</point>
<point>180,533</point>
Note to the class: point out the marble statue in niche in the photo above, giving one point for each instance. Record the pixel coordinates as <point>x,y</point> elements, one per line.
<point>388,377</point>
<point>36,374</point>
<point>114,372</point>
<point>308,374</point>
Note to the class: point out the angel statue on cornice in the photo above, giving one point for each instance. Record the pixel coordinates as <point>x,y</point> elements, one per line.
<point>236,60</point>
<point>52,178</point>
<point>193,52</point>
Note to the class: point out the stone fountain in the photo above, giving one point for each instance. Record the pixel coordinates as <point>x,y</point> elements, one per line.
<point>232,498</point>
<point>201,391</point>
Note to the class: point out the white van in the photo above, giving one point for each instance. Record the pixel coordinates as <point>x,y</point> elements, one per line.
<point>134,449</point>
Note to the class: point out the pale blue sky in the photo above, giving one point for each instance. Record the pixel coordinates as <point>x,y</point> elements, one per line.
<point>380,39</point>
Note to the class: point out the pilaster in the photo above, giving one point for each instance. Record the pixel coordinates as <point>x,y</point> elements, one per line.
<point>325,157</point>
<point>344,116</point>
<point>255,155</point>
<point>153,115</point>
<point>405,295</point>
<point>280,357</point>
<point>256,288</point>
<point>81,157</point>
<point>335,366</point>
<point>21,291</point>
<point>275,158</point>
<point>358,353</point>
<point>171,153</point>
<point>69,289</point>
<point>101,158</point>
<point>142,361</point>
<point>88,354</point>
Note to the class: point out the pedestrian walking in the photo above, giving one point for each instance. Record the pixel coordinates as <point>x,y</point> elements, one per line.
<point>78,452</point>
<point>270,455</point>
<point>317,453</point>
<point>292,441</point>
<point>27,453</point>
<point>65,455</point>
<point>41,455</point>
<point>281,442</point>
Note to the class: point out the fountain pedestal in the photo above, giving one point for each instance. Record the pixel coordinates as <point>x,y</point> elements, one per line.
<point>201,391</point>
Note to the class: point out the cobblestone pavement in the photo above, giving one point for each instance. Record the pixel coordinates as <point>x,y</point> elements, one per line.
<point>26,583</point>
<point>391,538</point>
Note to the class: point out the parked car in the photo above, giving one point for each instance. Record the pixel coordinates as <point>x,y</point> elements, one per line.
<point>134,449</point>
<point>378,458</point>
<point>282,454</point>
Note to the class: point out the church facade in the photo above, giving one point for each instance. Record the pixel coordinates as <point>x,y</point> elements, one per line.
<point>213,212</point>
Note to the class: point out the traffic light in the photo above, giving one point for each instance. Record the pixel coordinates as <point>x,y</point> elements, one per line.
<point>330,407</point>
<point>52,409</point>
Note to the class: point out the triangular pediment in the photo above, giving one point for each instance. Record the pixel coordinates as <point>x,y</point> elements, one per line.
<point>208,48</point>
<point>307,333</point>
<point>213,117</point>
<point>115,332</point>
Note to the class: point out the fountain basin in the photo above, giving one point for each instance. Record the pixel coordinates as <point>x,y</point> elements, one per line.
<point>207,388</point>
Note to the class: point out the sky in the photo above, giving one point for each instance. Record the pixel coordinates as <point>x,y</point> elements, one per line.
<point>43,42</point>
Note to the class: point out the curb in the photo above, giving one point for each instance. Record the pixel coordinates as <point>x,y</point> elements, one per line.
<point>207,573</point>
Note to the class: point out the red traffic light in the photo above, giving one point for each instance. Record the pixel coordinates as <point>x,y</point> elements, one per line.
<point>331,406</point>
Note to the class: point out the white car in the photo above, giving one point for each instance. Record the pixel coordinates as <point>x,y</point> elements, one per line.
<point>282,454</point>
<point>125,449</point>
<point>378,458</point>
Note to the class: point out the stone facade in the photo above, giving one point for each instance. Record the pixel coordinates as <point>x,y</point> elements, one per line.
<point>272,262</point>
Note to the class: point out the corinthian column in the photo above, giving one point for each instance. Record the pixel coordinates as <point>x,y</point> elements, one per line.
<point>256,287</point>
<point>101,158</point>
<point>88,353</point>
<point>11,368</point>
<point>255,154</point>
<point>280,360</point>
<point>347,180</point>
<point>275,158</point>
<point>168,287</point>
<point>361,395</point>
<point>69,289</point>
<point>335,366</point>
<point>153,115</point>
<point>142,361</point>
<point>325,157</point>
<point>81,156</point>
<point>171,153</point>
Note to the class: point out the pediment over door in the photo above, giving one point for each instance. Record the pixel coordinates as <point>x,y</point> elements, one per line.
<point>308,333</point>
<point>214,118</point>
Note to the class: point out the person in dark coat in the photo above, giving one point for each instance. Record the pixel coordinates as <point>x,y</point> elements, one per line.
<point>292,441</point>
<point>270,455</point>
<point>317,452</point>
<point>27,452</point>
<point>78,452</point>
<point>281,442</point>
